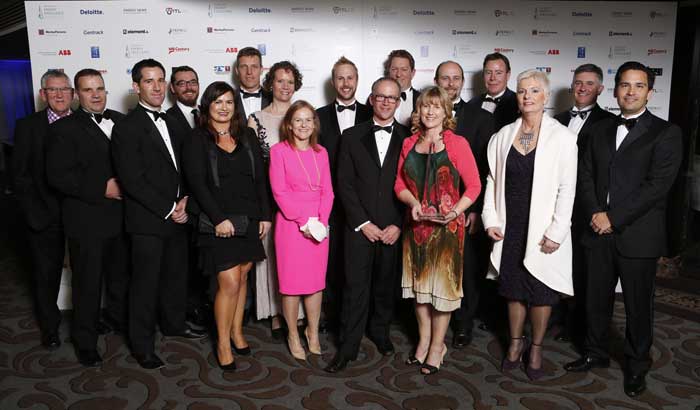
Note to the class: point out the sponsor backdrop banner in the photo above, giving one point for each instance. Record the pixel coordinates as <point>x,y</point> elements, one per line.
<point>551,36</point>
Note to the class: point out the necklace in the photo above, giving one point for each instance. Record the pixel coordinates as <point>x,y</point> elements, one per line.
<point>222,132</point>
<point>526,139</point>
<point>308,178</point>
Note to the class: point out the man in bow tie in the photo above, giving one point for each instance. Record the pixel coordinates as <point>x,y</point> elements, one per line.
<point>477,126</point>
<point>586,86</point>
<point>247,70</point>
<point>336,117</point>
<point>498,100</point>
<point>146,149</point>
<point>184,86</point>
<point>401,66</point>
<point>79,166</point>
<point>629,165</point>
<point>367,165</point>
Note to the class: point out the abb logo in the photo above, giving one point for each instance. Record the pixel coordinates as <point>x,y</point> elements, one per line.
<point>231,49</point>
<point>553,52</point>
<point>64,52</point>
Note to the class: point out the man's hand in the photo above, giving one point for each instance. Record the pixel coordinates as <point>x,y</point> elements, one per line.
<point>113,191</point>
<point>600,223</point>
<point>390,234</point>
<point>547,245</point>
<point>473,223</point>
<point>372,232</point>
<point>495,234</point>
<point>180,215</point>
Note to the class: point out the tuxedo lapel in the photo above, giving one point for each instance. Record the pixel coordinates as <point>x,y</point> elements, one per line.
<point>95,132</point>
<point>371,145</point>
<point>335,130</point>
<point>395,144</point>
<point>152,131</point>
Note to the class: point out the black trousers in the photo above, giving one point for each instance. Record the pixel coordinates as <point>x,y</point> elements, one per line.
<point>605,264</point>
<point>47,252</point>
<point>369,292</point>
<point>333,293</point>
<point>158,288</point>
<point>94,260</point>
<point>476,259</point>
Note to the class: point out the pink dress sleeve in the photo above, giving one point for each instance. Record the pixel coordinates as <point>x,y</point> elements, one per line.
<point>327,196</point>
<point>282,193</point>
<point>468,171</point>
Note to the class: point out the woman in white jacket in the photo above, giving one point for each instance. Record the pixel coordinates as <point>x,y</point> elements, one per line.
<point>528,202</point>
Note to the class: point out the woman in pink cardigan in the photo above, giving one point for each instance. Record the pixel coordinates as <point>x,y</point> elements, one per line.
<point>301,185</point>
<point>434,162</point>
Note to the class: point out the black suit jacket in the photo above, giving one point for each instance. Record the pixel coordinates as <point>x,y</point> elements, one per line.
<point>37,200</point>
<point>148,177</point>
<point>78,165</point>
<point>329,137</point>
<point>365,187</point>
<point>477,126</point>
<point>596,114</point>
<point>638,177</point>
<point>506,111</point>
<point>179,118</point>
<point>265,100</point>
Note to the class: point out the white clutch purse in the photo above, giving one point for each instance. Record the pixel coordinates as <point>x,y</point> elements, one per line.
<point>317,230</point>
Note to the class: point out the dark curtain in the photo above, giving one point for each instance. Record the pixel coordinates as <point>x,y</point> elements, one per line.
<point>16,96</point>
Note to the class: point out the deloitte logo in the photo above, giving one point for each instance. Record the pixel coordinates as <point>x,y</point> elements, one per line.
<point>90,12</point>
<point>258,10</point>
<point>423,13</point>
<point>581,14</point>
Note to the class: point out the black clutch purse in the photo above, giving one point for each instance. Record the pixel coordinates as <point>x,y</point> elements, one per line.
<point>240,224</point>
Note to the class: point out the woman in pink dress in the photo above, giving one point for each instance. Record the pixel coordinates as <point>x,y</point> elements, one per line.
<point>301,185</point>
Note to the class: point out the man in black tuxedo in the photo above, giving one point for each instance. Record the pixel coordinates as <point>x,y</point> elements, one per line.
<point>368,159</point>
<point>146,152</point>
<point>184,85</point>
<point>79,166</point>
<point>476,125</point>
<point>336,117</point>
<point>401,66</point>
<point>498,100</point>
<point>586,86</point>
<point>39,202</point>
<point>251,96</point>
<point>625,175</point>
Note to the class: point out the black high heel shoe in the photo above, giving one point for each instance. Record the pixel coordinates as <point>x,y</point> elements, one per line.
<point>413,360</point>
<point>430,368</point>
<point>507,364</point>
<point>226,367</point>
<point>532,373</point>
<point>241,351</point>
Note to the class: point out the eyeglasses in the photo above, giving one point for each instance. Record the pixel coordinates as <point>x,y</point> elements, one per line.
<point>183,83</point>
<point>388,98</point>
<point>54,90</point>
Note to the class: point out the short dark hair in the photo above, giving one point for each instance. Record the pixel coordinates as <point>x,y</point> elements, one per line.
<point>210,94</point>
<point>590,68</point>
<point>387,78</point>
<point>635,65</point>
<point>136,75</point>
<point>437,70</point>
<point>497,56</point>
<point>248,52</point>
<point>398,54</point>
<point>181,69</point>
<point>286,134</point>
<point>286,66</point>
<point>85,72</point>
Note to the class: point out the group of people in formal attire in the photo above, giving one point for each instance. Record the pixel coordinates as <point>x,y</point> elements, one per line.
<point>342,210</point>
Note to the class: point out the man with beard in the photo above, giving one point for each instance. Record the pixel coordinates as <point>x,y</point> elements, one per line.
<point>184,84</point>
<point>79,166</point>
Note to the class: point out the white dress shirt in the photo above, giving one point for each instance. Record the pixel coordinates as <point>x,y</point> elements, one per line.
<point>382,139</point>
<point>491,106</point>
<point>576,123</point>
<point>346,119</point>
<point>187,112</point>
<point>251,104</point>
<point>105,125</point>
<point>403,114</point>
<point>454,104</point>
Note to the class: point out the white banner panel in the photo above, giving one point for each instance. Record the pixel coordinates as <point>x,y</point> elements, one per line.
<point>552,36</point>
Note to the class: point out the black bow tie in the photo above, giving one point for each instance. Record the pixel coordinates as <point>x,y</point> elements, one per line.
<point>493,100</point>
<point>246,94</point>
<point>98,117</point>
<point>156,114</point>
<point>458,106</point>
<point>582,114</point>
<point>629,123</point>
<point>388,128</point>
<point>403,95</point>
<point>341,107</point>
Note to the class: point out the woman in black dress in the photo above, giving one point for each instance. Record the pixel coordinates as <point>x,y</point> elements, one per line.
<point>224,169</point>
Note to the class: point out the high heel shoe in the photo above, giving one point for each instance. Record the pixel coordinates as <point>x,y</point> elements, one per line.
<point>230,367</point>
<point>412,359</point>
<point>507,364</point>
<point>315,349</point>
<point>241,351</point>
<point>532,373</point>
<point>430,368</point>
<point>299,353</point>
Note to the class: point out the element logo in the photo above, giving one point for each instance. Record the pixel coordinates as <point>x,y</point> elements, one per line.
<point>619,33</point>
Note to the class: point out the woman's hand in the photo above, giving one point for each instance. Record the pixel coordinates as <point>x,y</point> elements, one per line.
<point>548,245</point>
<point>224,229</point>
<point>264,228</point>
<point>307,233</point>
<point>495,234</point>
<point>416,211</point>
<point>446,219</point>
